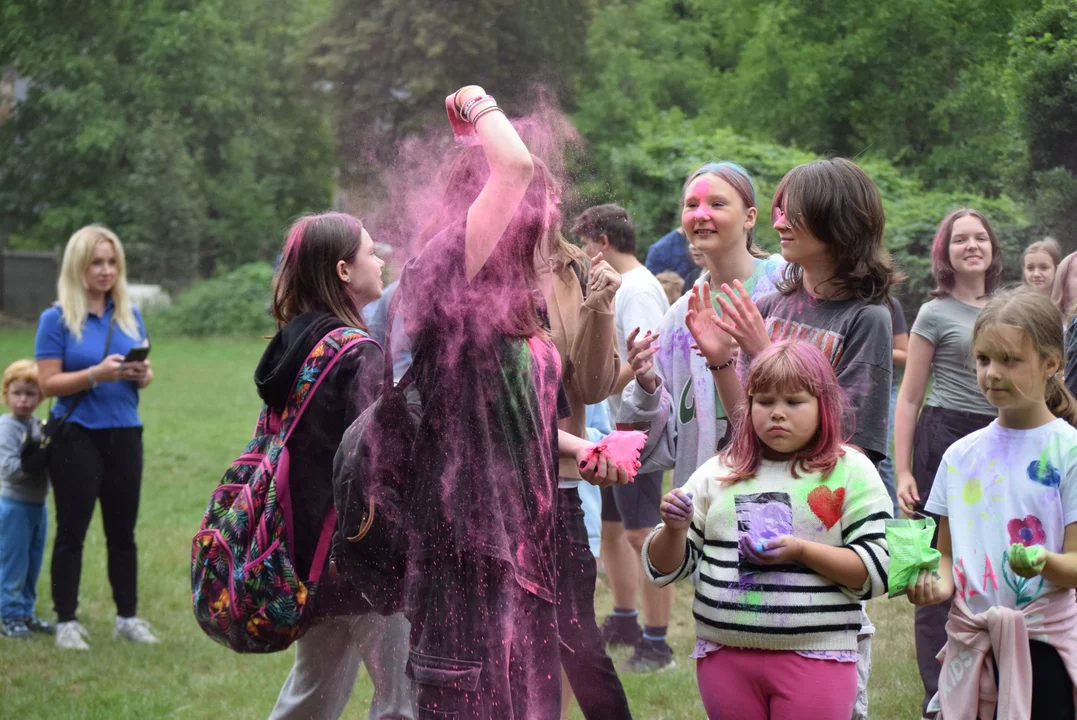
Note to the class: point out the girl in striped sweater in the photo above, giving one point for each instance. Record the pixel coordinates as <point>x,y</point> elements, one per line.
<point>786,529</point>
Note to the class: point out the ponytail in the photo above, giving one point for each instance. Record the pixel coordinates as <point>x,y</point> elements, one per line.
<point>1060,401</point>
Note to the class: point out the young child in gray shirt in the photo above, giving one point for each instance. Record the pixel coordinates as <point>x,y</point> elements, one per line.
<point>23,513</point>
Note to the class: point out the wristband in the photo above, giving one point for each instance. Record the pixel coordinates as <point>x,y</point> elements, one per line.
<point>465,111</point>
<point>456,95</point>
<point>723,366</point>
<point>89,376</point>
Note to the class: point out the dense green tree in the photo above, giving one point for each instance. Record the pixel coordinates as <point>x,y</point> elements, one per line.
<point>180,123</point>
<point>646,177</point>
<point>921,82</point>
<point>1044,58</point>
<point>390,64</point>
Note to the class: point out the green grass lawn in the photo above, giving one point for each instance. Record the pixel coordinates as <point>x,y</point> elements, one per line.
<point>198,415</point>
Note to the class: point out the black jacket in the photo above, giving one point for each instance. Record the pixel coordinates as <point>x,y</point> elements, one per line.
<point>351,385</point>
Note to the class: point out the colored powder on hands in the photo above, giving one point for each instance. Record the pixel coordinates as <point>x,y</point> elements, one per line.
<point>909,543</point>
<point>622,448</point>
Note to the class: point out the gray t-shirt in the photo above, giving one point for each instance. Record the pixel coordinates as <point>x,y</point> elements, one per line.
<point>14,483</point>
<point>947,324</point>
<point>858,339</point>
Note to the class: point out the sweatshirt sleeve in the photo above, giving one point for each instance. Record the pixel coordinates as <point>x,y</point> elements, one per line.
<point>656,409</point>
<point>694,540</point>
<point>865,508</point>
<point>11,439</point>
<point>596,363</point>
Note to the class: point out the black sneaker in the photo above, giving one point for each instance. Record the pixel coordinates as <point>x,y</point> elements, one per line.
<point>15,629</point>
<point>620,630</point>
<point>38,625</point>
<point>649,656</point>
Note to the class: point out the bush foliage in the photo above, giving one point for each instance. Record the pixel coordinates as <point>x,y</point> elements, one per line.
<point>230,305</point>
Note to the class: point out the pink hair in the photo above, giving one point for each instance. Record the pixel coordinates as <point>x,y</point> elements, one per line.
<point>299,228</point>
<point>941,267</point>
<point>791,367</point>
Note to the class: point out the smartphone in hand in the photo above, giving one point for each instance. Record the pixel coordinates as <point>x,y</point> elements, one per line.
<point>138,354</point>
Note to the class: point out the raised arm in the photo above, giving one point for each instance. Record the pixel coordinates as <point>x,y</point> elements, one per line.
<point>511,170</point>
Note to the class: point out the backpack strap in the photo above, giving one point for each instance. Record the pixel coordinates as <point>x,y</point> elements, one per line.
<point>329,350</point>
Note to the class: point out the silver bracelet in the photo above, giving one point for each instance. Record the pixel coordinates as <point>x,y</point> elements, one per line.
<point>89,376</point>
<point>465,111</point>
<point>487,111</point>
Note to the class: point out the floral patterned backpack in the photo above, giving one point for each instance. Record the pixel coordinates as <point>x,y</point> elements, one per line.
<point>244,588</point>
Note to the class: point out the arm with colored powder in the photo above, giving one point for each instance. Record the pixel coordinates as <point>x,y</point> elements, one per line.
<point>674,549</point>
<point>716,345</point>
<point>861,564</point>
<point>511,170</point>
<point>1059,568</point>
<point>601,473</point>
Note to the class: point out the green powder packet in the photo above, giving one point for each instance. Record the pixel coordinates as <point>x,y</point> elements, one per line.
<point>909,543</point>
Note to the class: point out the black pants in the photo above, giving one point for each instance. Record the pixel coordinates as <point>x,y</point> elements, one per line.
<point>87,465</point>
<point>936,430</point>
<point>481,646</point>
<point>1052,687</point>
<point>583,654</point>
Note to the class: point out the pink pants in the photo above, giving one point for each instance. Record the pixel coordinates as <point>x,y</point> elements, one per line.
<point>746,684</point>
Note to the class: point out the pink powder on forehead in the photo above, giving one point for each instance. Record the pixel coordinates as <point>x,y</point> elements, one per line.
<point>700,189</point>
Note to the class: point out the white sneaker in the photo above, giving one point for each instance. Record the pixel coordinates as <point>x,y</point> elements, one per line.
<point>71,636</point>
<point>136,630</point>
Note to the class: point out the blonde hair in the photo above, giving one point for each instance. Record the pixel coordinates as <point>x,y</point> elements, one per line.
<point>71,287</point>
<point>19,371</point>
<point>1066,304</point>
<point>1035,315</point>
<point>1049,246</point>
<point>672,284</point>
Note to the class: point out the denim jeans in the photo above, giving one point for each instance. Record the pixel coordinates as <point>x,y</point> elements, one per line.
<point>23,529</point>
<point>591,499</point>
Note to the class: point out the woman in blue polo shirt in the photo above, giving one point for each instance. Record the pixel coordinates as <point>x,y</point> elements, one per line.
<point>80,348</point>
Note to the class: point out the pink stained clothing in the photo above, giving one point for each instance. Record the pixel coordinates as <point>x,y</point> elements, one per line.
<point>746,684</point>
<point>706,647</point>
<point>967,689</point>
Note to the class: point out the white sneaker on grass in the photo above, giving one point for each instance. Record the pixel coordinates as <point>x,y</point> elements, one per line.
<point>136,630</point>
<point>71,636</point>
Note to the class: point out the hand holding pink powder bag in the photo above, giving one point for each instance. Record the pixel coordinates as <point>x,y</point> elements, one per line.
<point>622,448</point>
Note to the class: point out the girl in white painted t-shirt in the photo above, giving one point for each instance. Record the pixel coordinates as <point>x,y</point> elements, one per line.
<point>1007,500</point>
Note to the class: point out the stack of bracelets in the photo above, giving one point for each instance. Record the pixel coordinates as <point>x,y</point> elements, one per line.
<point>471,110</point>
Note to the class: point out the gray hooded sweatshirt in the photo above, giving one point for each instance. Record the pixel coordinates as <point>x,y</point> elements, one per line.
<point>14,483</point>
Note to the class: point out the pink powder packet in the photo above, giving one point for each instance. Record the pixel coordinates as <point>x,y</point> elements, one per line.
<point>622,448</point>
<point>462,130</point>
